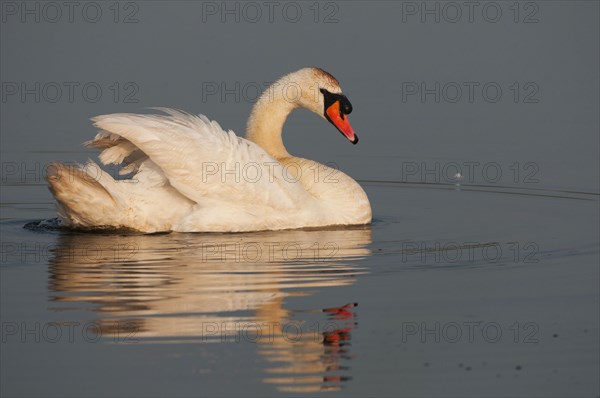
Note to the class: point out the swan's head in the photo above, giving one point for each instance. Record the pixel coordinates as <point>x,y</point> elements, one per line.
<point>321,93</point>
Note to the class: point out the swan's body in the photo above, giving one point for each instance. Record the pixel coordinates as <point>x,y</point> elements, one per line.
<point>190,175</point>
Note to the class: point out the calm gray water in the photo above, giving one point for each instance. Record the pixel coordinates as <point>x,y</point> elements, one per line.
<point>483,285</point>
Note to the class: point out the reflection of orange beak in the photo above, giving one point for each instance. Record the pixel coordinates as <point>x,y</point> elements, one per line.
<point>340,121</point>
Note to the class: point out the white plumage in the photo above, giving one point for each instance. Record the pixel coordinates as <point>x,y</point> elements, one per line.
<point>188,174</point>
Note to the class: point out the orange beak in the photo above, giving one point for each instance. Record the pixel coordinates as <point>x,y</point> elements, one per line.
<point>340,121</point>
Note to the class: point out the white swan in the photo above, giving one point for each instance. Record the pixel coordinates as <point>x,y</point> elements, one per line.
<point>190,175</point>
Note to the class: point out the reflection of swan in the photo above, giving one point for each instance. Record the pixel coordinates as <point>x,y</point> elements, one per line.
<point>312,362</point>
<point>200,288</point>
<point>190,175</point>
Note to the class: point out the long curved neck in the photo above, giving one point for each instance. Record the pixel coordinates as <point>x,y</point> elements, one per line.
<point>267,118</point>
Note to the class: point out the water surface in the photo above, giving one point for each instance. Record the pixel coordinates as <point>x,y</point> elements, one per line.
<point>424,308</point>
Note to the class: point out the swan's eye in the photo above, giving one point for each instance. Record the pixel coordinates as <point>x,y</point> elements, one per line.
<point>345,107</point>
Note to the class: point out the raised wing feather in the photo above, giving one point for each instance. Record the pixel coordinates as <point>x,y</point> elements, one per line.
<point>199,158</point>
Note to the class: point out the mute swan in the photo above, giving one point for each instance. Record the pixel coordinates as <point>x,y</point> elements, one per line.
<point>189,175</point>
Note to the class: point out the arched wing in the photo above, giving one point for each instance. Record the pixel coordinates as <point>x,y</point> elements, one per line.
<point>197,157</point>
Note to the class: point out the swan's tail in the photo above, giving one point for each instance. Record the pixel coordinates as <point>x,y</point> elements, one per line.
<point>82,200</point>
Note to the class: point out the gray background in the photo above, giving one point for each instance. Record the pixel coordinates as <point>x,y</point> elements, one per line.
<point>171,54</point>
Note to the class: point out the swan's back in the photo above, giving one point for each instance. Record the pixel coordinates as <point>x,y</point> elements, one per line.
<point>186,173</point>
